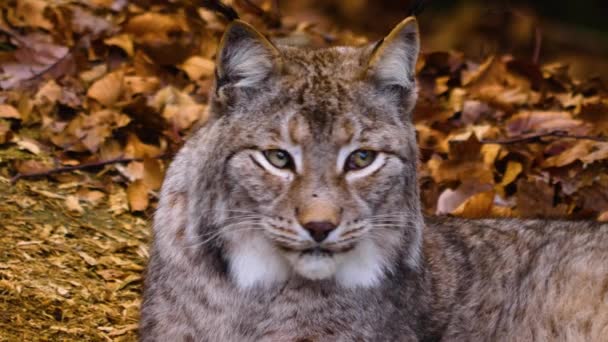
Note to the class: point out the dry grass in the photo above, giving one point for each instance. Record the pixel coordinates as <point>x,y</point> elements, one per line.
<point>66,275</point>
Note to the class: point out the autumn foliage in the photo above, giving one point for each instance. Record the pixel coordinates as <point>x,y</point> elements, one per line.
<point>97,96</point>
<point>114,87</point>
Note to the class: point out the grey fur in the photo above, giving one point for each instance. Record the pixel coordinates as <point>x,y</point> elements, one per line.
<point>442,279</point>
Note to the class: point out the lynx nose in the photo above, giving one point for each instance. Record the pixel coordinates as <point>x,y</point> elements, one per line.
<point>319,230</point>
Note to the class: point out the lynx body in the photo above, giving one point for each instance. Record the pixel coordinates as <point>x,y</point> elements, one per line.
<point>294,215</point>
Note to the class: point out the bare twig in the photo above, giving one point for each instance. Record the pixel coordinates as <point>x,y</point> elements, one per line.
<point>538,40</point>
<point>537,137</point>
<point>62,169</point>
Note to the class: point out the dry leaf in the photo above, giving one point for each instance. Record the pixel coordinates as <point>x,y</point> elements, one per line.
<point>123,41</point>
<point>108,89</point>
<point>36,54</point>
<point>92,196</point>
<point>9,112</point>
<point>450,200</point>
<point>31,13</point>
<point>477,206</point>
<point>153,173</point>
<point>29,145</point>
<point>72,203</point>
<point>137,194</point>
<point>5,132</point>
<point>544,121</point>
<point>198,67</point>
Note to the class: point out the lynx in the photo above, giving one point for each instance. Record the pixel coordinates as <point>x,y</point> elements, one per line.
<point>294,215</point>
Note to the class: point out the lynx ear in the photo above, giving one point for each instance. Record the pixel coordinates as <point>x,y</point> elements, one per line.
<point>245,57</point>
<point>393,60</point>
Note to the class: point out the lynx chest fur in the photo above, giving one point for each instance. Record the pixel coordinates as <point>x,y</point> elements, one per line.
<point>294,215</point>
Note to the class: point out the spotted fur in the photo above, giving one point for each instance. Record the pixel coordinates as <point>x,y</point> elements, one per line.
<point>231,260</point>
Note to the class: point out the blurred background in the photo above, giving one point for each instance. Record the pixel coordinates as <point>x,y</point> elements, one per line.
<point>545,31</point>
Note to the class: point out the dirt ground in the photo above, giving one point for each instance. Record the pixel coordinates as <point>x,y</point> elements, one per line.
<point>67,274</point>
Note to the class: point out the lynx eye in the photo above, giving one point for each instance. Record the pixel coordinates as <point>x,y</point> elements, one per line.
<point>279,159</point>
<point>359,159</point>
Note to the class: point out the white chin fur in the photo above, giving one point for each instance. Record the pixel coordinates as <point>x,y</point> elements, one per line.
<point>315,267</point>
<point>364,266</point>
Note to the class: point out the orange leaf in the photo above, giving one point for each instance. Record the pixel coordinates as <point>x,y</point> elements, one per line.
<point>137,194</point>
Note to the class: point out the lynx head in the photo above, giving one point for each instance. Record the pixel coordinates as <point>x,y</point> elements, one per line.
<point>308,167</point>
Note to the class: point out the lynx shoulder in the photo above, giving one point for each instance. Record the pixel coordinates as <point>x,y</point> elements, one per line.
<point>294,215</point>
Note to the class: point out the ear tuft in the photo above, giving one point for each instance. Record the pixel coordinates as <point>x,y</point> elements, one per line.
<point>393,61</point>
<point>245,56</point>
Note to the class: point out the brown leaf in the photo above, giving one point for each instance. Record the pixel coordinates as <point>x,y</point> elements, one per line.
<point>477,206</point>
<point>545,121</point>
<point>5,132</point>
<point>535,198</point>
<point>9,112</point>
<point>36,54</point>
<point>92,196</point>
<point>165,38</point>
<point>153,173</point>
<point>198,67</point>
<point>179,108</point>
<point>29,145</point>
<point>586,151</point>
<point>31,166</point>
<point>108,89</point>
<point>30,13</point>
<point>512,171</point>
<point>137,149</point>
<point>85,22</point>
<point>138,84</point>
<point>450,200</point>
<point>137,194</point>
<point>72,203</point>
<point>123,41</point>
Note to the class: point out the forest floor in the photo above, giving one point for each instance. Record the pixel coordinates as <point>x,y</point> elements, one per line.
<point>67,273</point>
<point>97,97</point>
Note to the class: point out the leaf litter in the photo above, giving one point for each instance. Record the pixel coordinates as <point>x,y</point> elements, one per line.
<point>97,96</point>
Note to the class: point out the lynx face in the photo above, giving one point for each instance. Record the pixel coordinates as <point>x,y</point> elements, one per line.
<point>319,157</point>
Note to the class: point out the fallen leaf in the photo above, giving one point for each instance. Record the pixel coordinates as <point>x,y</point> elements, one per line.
<point>36,54</point>
<point>153,173</point>
<point>197,67</point>
<point>108,89</point>
<point>29,145</point>
<point>476,206</point>
<point>9,112</point>
<point>5,132</point>
<point>87,258</point>
<point>545,121</point>
<point>92,196</point>
<point>137,194</point>
<point>450,200</point>
<point>73,204</point>
<point>31,13</point>
<point>123,41</point>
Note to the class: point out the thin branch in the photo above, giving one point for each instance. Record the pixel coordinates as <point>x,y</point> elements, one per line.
<point>537,137</point>
<point>62,169</point>
<point>538,41</point>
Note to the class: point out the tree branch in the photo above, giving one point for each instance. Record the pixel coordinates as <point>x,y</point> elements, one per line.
<point>62,169</point>
<point>537,137</point>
